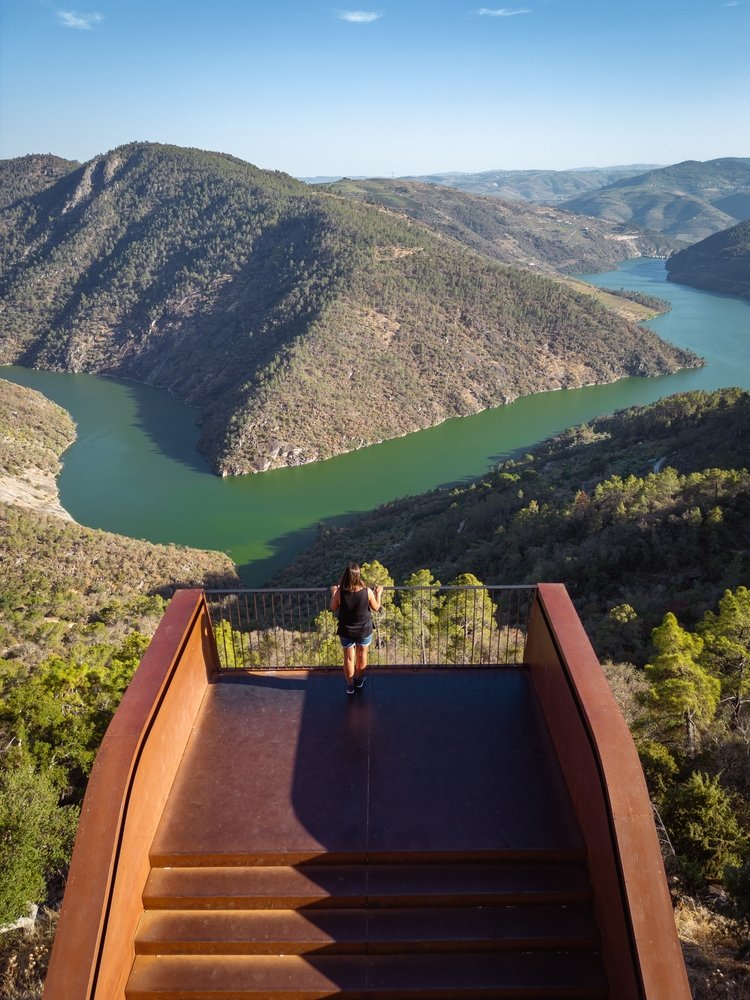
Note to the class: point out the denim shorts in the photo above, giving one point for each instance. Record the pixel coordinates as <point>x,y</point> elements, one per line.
<point>348,643</point>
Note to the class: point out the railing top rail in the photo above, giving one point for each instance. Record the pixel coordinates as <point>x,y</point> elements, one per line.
<point>323,590</point>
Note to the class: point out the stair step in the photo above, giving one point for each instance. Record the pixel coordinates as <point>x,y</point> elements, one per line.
<point>164,856</point>
<point>309,886</point>
<point>289,932</point>
<point>552,976</point>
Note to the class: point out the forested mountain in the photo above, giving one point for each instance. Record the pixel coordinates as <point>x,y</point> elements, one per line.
<point>587,509</point>
<point>720,263</point>
<point>302,324</point>
<point>512,232</point>
<point>687,201</point>
<point>28,175</point>
<point>546,187</point>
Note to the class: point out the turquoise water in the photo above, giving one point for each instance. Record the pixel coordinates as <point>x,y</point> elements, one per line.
<point>134,468</point>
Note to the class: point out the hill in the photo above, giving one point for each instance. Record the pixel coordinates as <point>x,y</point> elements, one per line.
<point>301,323</point>
<point>587,509</point>
<point>512,232</point>
<point>720,263</point>
<point>546,187</point>
<point>687,201</point>
<point>28,175</point>
<point>51,566</point>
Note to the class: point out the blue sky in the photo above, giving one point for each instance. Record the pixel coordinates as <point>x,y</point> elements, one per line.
<point>415,86</point>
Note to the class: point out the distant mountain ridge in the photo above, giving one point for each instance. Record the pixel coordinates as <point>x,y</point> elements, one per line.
<point>720,263</point>
<point>301,323</point>
<point>547,187</point>
<point>512,232</point>
<point>687,201</point>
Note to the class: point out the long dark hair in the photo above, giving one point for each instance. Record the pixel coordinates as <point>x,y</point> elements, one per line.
<point>351,578</point>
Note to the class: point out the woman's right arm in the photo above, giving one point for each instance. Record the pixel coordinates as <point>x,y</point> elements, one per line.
<point>335,597</point>
<point>374,598</point>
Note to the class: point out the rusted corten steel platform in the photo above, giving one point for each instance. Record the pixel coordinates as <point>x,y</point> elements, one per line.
<point>428,813</point>
<point>441,834</point>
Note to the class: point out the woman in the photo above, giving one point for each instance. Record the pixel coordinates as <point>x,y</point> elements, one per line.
<point>354,602</point>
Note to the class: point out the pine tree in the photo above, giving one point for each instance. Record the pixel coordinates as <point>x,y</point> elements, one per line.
<point>683,693</point>
<point>726,638</point>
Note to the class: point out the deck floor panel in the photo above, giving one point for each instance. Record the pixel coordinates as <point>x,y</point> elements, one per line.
<point>425,761</point>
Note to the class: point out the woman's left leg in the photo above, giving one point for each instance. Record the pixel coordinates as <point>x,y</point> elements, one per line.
<point>361,666</point>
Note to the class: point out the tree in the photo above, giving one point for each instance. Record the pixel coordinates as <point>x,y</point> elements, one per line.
<point>726,652</point>
<point>387,623</point>
<point>466,621</point>
<point>703,827</point>
<point>419,610</point>
<point>326,648</point>
<point>36,833</point>
<point>682,693</point>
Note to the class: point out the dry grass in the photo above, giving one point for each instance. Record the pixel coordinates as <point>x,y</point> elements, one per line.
<point>24,956</point>
<point>710,944</point>
<point>625,308</point>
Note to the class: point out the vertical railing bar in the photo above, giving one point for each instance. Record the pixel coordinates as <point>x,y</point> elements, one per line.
<point>245,636</point>
<point>230,621</point>
<point>502,611</point>
<point>223,635</point>
<point>487,604</point>
<point>265,629</point>
<point>474,631</point>
<point>518,628</point>
<point>255,629</point>
<point>282,612</point>
<point>297,632</point>
<point>420,619</point>
<point>309,629</point>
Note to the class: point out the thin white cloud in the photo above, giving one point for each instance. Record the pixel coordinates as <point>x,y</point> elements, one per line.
<point>84,22</point>
<point>732,3</point>
<point>501,12</point>
<point>360,16</point>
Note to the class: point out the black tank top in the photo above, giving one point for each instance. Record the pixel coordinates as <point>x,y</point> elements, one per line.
<point>355,620</point>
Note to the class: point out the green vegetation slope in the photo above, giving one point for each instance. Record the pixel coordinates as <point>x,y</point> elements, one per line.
<point>512,232</point>
<point>586,508</point>
<point>687,201</point>
<point>720,263</point>
<point>77,608</point>
<point>303,324</point>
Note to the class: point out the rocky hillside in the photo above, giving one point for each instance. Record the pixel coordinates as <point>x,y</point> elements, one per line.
<point>302,324</point>
<point>512,232</point>
<point>687,201</point>
<point>34,432</point>
<point>720,263</point>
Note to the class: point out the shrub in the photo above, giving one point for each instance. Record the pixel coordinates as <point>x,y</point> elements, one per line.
<point>703,827</point>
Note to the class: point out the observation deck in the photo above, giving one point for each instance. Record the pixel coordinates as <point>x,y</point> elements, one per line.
<point>473,822</point>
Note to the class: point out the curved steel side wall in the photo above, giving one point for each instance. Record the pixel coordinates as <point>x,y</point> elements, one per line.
<point>125,797</point>
<point>640,947</point>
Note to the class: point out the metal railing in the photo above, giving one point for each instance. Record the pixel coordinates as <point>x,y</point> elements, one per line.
<point>417,626</point>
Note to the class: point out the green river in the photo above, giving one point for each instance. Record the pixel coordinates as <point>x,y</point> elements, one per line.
<point>134,468</point>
